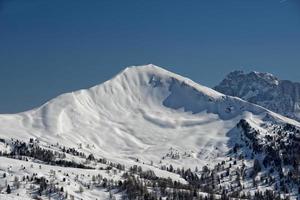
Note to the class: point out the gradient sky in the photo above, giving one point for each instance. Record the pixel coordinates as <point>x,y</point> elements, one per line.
<point>48,47</point>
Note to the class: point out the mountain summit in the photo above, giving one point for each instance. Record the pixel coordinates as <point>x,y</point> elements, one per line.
<point>264,89</point>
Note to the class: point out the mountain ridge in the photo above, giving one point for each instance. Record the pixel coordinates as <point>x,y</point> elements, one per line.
<point>265,89</point>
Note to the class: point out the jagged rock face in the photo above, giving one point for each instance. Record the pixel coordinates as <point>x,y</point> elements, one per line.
<point>264,89</point>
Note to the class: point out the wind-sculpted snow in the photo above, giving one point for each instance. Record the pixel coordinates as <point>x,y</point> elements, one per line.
<point>140,113</point>
<point>195,101</point>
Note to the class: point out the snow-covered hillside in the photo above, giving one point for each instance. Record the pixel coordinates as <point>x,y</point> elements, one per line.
<point>144,116</point>
<point>144,112</point>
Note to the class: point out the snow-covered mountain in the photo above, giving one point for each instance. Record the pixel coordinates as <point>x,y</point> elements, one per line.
<point>280,96</point>
<point>152,118</point>
<point>141,113</point>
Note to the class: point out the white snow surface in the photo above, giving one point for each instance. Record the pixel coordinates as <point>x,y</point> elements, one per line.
<point>144,112</point>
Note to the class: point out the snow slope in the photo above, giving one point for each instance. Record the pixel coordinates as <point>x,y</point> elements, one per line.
<point>144,112</point>
<point>13,168</point>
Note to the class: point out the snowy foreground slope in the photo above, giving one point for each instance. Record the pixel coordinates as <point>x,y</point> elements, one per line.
<point>144,116</point>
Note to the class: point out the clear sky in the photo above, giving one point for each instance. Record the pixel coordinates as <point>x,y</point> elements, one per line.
<point>48,47</point>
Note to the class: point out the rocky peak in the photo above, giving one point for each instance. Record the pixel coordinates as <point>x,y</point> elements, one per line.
<point>264,89</point>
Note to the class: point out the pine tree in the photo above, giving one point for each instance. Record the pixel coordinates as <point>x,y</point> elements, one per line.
<point>8,190</point>
<point>256,166</point>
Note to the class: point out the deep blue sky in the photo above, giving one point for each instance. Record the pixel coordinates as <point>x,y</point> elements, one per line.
<point>48,47</point>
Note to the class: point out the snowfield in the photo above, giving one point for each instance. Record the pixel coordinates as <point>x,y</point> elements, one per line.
<point>145,115</point>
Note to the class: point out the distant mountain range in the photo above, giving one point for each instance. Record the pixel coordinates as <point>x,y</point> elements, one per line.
<point>264,89</point>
